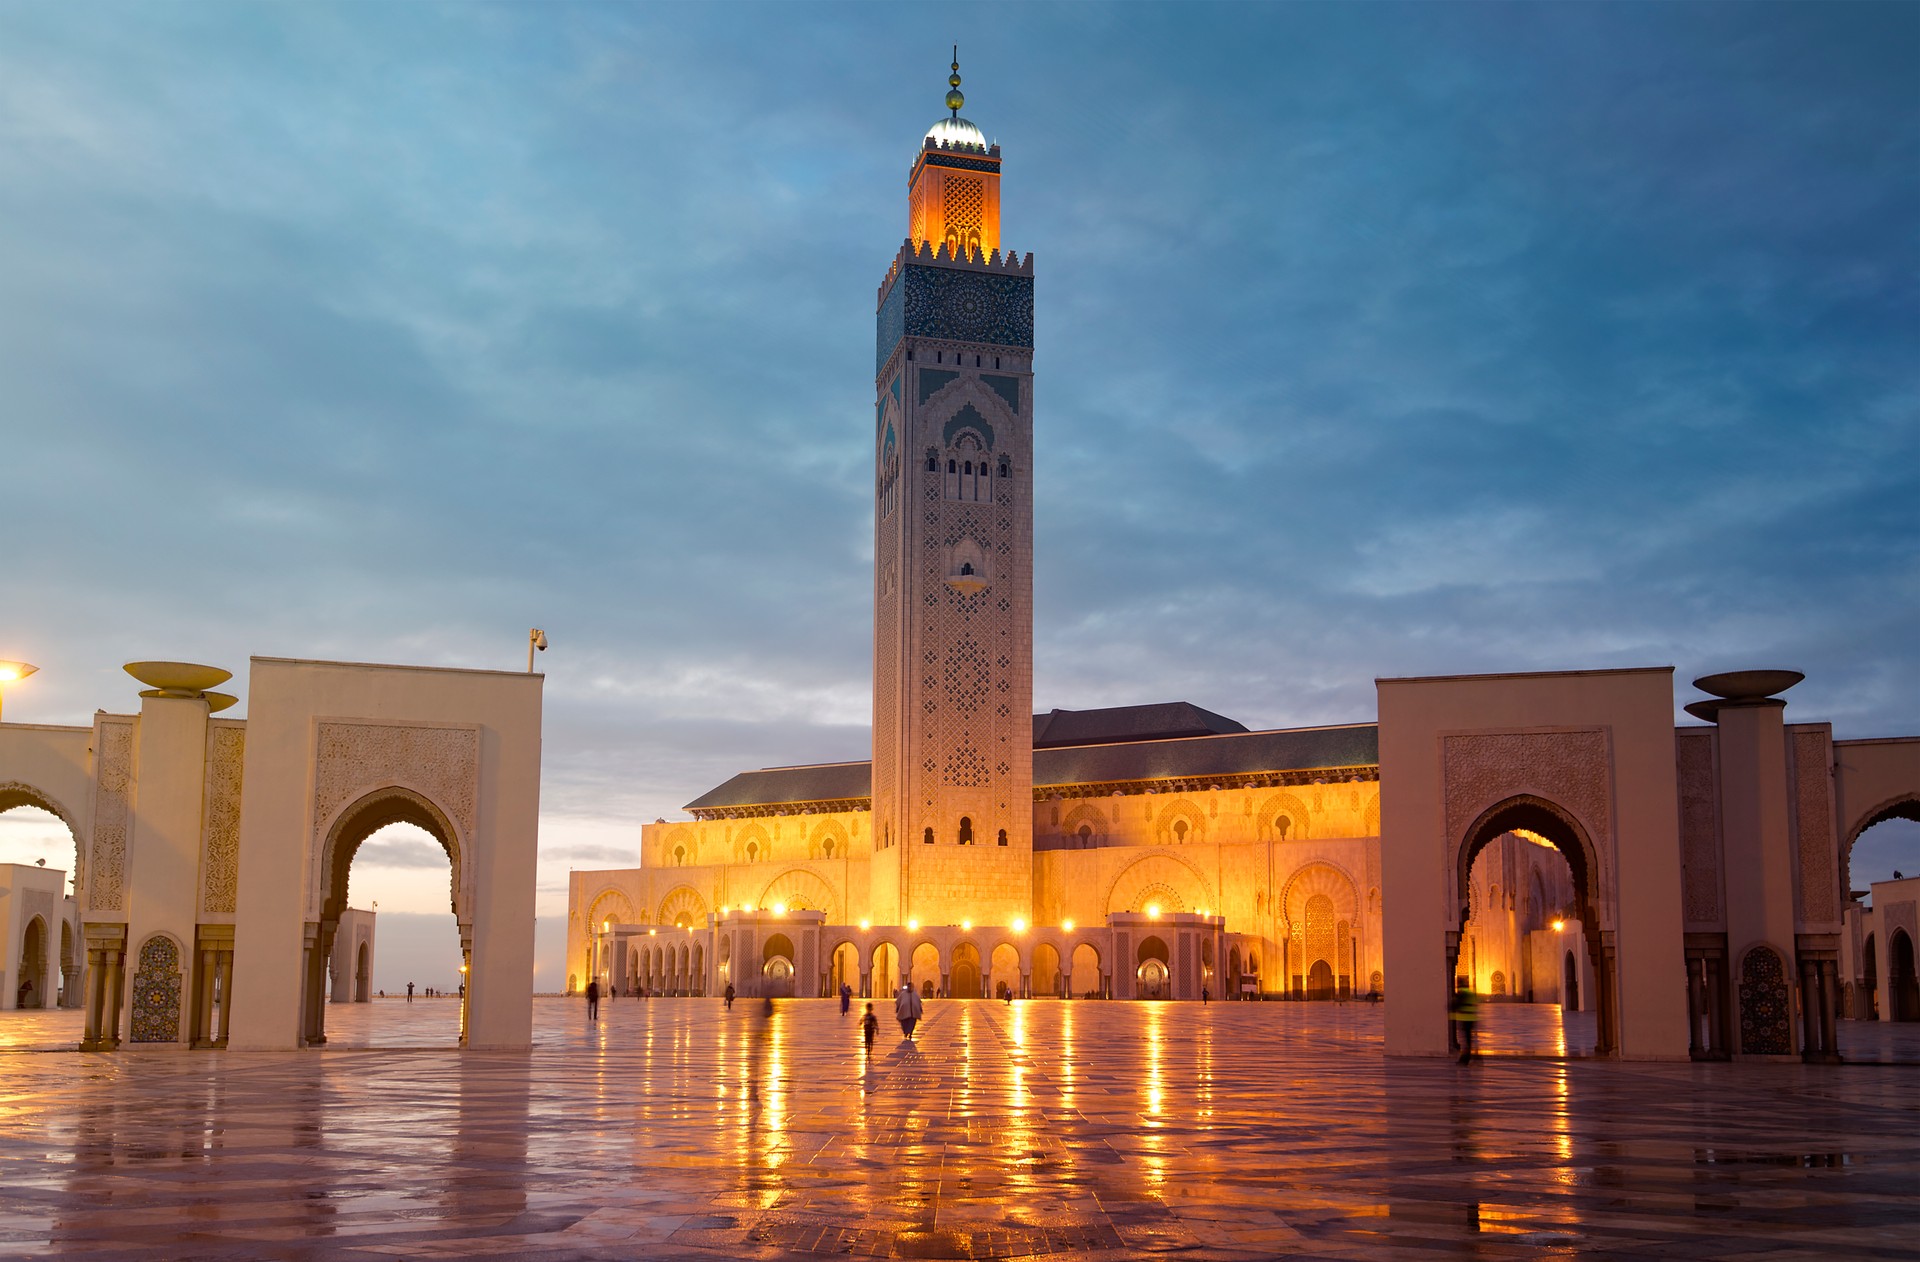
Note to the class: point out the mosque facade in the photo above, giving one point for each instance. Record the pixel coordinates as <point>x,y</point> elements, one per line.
<point>985,849</point>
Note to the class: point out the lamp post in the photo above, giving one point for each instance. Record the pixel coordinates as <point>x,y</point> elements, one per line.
<point>13,673</point>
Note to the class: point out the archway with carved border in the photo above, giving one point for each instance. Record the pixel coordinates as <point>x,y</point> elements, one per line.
<point>1900,806</point>
<point>1267,823</point>
<point>17,793</point>
<point>1558,826</point>
<point>612,904</point>
<point>1186,882</point>
<point>802,889</point>
<point>682,900</point>
<point>1166,826</point>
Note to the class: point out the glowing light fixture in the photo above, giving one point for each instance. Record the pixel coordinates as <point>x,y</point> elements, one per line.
<point>779,909</point>
<point>13,673</point>
<point>606,926</point>
<point>653,933</point>
<point>866,924</point>
<point>1558,925</point>
<point>913,924</point>
<point>1019,925</point>
<point>966,924</point>
<point>1067,925</point>
<point>1153,910</point>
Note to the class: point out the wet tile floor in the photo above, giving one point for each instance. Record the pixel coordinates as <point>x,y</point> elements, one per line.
<point>1102,1130</point>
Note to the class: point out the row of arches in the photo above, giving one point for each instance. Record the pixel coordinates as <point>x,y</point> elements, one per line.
<point>966,970</point>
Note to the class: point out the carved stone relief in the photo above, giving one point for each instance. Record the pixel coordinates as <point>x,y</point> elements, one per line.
<point>1813,790</point>
<point>220,831</point>
<point>113,775</point>
<point>440,762</point>
<point>1571,769</point>
<point>1700,878</point>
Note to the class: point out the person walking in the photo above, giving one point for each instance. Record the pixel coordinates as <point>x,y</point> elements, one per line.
<point>1465,1012</point>
<point>870,1026</point>
<point>846,998</point>
<point>727,994</point>
<point>907,1008</point>
<point>593,1000</point>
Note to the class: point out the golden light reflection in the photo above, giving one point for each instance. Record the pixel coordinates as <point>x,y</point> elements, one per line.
<point>1155,1083</point>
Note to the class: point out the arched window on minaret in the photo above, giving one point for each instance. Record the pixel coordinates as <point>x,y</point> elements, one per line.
<point>927,836</point>
<point>966,830</point>
<point>1003,836</point>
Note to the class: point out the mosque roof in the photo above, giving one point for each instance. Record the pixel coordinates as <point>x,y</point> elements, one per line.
<point>956,131</point>
<point>1166,720</point>
<point>1201,757</point>
<point>1230,753</point>
<point>819,782</point>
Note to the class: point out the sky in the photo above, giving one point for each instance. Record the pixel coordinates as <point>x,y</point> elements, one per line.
<point>1373,340</point>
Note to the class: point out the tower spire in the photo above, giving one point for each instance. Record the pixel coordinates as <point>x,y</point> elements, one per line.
<point>954,99</point>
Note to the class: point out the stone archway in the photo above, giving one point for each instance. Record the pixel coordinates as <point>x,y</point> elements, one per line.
<point>366,815</point>
<point>32,988</point>
<point>1557,826</point>
<point>1902,806</point>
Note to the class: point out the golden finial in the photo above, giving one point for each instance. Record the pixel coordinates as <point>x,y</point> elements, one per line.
<point>954,99</point>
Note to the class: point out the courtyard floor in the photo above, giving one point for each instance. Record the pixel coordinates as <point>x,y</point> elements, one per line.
<point>672,1128</point>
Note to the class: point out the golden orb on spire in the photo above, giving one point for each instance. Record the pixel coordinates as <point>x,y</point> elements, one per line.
<point>954,99</point>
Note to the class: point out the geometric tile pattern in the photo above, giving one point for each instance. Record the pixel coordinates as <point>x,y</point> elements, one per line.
<point>673,1129</point>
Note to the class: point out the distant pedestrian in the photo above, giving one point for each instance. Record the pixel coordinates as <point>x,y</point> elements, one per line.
<point>593,1000</point>
<point>766,1004</point>
<point>1465,1012</point>
<point>907,1008</point>
<point>727,994</point>
<point>1206,996</point>
<point>846,998</point>
<point>870,1026</point>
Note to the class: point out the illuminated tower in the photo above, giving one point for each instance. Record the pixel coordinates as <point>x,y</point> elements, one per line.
<point>953,550</point>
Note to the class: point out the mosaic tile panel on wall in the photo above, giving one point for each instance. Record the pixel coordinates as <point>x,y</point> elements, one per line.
<point>156,992</point>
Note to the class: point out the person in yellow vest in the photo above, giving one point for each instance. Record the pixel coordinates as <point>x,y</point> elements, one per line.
<point>1465,1012</point>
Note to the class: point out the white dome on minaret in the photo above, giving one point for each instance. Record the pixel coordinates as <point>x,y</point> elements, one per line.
<point>956,131</point>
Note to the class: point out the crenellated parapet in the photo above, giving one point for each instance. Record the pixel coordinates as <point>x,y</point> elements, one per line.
<point>925,254</point>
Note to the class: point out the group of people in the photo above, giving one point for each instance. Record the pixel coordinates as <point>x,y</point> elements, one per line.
<point>907,1008</point>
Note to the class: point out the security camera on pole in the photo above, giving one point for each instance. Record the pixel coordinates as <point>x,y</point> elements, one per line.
<point>536,639</point>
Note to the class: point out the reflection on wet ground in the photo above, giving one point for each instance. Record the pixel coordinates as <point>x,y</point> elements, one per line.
<point>673,1128</point>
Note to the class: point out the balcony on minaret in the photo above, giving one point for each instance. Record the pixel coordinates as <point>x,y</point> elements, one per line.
<point>967,568</point>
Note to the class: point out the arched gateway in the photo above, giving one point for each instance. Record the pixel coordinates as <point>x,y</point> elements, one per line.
<point>1585,761</point>
<point>210,926</point>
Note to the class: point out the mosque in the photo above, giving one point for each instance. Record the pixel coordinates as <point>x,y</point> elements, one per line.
<point>1546,837</point>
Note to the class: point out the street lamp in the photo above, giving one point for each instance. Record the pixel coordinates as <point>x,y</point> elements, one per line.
<point>13,673</point>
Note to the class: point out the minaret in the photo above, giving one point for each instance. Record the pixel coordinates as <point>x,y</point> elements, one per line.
<point>953,550</point>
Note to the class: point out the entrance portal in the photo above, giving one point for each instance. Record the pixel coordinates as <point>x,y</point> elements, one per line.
<point>383,809</point>
<point>1539,821</point>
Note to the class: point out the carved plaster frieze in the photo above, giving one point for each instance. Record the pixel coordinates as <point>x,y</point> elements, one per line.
<point>355,757</point>
<point>220,827</point>
<point>1571,768</point>
<point>113,778</point>
<point>1701,881</point>
<point>1813,792</point>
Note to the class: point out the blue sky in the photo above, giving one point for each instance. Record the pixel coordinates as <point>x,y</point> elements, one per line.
<point>1373,340</point>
